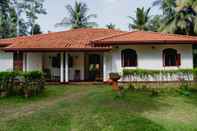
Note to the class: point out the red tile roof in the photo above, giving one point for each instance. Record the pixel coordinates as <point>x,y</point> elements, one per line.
<point>88,39</point>
<point>78,39</point>
<point>4,42</point>
<point>140,37</point>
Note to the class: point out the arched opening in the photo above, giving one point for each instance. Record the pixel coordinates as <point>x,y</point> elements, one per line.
<point>171,57</point>
<point>129,58</point>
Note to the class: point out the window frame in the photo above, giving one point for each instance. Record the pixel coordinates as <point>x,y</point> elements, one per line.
<point>134,53</point>
<point>177,58</point>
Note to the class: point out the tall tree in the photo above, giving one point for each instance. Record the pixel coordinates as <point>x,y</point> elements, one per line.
<point>168,7</point>
<point>4,17</point>
<point>141,20</point>
<point>182,19</point>
<point>78,17</point>
<point>36,29</point>
<point>32,9</point>
<point>111,26</point>
<point>154,23</point>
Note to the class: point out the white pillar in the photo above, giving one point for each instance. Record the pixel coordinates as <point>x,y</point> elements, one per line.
<point>24,62</point>
<point>62,67</point>
<point>66,68</point>
<point>107,65</point>
<point>104,68</point>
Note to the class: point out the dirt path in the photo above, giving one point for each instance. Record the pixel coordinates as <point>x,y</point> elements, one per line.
<point>15,113</point>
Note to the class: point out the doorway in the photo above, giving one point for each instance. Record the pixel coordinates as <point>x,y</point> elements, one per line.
<point>18,61</point>
<point>94,67</point>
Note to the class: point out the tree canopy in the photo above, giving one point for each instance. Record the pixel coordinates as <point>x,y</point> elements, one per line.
<point>140,21</point>
<point>78,16</point>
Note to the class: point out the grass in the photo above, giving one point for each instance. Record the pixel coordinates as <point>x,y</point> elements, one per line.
<point>96,108</point>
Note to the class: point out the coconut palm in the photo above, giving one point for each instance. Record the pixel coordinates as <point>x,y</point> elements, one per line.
<point>183,20</point>
<point>141,20</point>
<point>167,6</point>
<point>78,17</point>
<point>111,26</point>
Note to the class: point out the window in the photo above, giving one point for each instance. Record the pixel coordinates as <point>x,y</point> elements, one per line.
<point>56,61</point>
<point>18,61</point>
<point>171,57</point>
<point>70,61</point>
<point>129,58</point>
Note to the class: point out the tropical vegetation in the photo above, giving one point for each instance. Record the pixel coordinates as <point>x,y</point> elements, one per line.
<point>111,26</point>
<point>140,22</point>
<point>18,18</point>
<point>23,84</point>
<point>78,17</point>
<point>179,16</point>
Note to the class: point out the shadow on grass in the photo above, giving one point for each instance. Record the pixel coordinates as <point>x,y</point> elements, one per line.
<point>136,102</point>
<point>119,122</point>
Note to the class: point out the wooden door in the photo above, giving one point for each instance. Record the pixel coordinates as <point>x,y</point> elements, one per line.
<point>18,61</point>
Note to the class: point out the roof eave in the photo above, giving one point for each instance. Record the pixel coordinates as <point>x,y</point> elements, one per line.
<point>56,49</point>
<point>145,42</point>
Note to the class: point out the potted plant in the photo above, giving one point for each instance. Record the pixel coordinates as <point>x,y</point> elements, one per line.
<point>115,77</point>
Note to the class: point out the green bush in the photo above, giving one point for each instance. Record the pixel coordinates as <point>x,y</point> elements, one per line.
<point>17,83</point>
<point>146,74</point>
<point>184,89</point>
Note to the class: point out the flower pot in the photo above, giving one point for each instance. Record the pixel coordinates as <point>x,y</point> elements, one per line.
<point>114,76</point>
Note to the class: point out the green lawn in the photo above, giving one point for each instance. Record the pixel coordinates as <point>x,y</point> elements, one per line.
<point>95,108</point>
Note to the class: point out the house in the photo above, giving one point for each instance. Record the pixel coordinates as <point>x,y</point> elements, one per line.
<point>91,54</point>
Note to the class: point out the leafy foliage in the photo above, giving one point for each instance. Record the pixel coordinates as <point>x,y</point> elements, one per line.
<point>179,16</point>
<point>32,9</point>
<point>154,23</point>
<point>111,26</point>
<point>78,17</point>
<point>36,29</point>
<point>146,74</point>
<point>141,20</point>
<point>17,83</point>
<point>7,20</point>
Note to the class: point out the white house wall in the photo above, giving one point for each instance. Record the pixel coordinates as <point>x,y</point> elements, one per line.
<point>149,57</point>
<point>34,61</point>
<point>6,61</point>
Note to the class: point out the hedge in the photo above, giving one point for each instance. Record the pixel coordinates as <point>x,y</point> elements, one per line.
<point>21,83</point>
<point>144,74</point>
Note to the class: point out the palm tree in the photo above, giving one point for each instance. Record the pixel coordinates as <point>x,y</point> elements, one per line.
<point>167,6</point>
<point>111,26</point>
<point>141,20</point>
<point>183,20</point>
<point>78,17</point>
<point>154,23</point>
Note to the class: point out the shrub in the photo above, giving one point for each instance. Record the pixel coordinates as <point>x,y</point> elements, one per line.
<point>184,89</point>
<point>131,87</point>
<point>16,83</point>
<point>155,92</point>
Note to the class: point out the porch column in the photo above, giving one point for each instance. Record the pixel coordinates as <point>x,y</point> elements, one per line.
<point>24,62</point>
<point>61,67</point>
<point>107,65</point>
<point>66,68</point>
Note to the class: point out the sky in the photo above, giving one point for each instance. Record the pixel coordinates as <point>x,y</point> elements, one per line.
<point>108,11</point>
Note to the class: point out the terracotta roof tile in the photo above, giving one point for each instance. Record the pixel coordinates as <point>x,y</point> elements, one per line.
<point>140,37</point>
<point>85,39</point>
<point>72,39</point>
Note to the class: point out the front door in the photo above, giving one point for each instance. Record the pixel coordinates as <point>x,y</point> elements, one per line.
<point>18,61</point>
<point>94,67</point>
